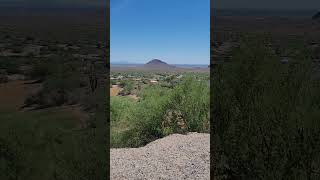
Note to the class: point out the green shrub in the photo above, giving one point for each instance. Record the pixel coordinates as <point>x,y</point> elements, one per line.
<point>120,107</point>
<point>266,114</point>
<point>127,86</point>
<point>40,69</point>
<point>47,147</point>
<point>63,83</point>
<point>113,82</point>
<point>159,112</point>
<point>11,65</point>
<point>191,98</point>
<point>13,160</point>
<point>120,110</point>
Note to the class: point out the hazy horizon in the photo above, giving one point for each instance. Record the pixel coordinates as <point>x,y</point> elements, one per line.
<point>50,3</point>
<point>271,4</point>
<point>177,32</point>
<point>263,12</point>
<point>144,62</point>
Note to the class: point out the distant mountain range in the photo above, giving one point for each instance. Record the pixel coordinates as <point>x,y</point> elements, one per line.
<point>128,63</point>
<point>120,62</point>
<point>262,12</point>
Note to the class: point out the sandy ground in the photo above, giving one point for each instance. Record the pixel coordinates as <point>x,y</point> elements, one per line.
<point>173,157</point>
<point>114,91</point>
<point>13,94</point>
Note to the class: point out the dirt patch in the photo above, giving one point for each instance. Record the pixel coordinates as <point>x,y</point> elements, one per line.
<point>75,111</point>
<point>114,90</point>
<point>173,157</point>
<point>13,93</point>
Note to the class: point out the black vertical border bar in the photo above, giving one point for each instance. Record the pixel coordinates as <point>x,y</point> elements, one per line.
<point>107,100</point>
<point>212,64</point>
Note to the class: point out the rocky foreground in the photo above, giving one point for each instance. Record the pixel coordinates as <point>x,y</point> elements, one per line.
<point>173,157</point>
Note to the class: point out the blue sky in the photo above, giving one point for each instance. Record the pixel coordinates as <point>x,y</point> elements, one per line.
<point>175,31</point>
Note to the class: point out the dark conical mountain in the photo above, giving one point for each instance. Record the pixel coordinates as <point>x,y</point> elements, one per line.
<point>316,16</point>
<point>157,63</point>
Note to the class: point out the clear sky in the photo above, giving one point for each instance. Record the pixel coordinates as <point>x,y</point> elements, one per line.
<point>175,31</point>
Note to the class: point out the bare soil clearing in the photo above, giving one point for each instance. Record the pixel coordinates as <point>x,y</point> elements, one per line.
<point>114,90</point>
<point>13,94</point>
<point>173,157</point>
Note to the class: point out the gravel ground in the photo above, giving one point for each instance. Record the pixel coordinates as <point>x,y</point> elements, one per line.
<point>173,157</point>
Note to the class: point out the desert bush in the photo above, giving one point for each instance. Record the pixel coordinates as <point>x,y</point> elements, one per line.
<point>145,121</point>
<point>85,157</point>
<point>113,82</point>
<point>13,160</point>
<point>265,114</point>
<point>47,147</point>
<point>127,86</point>
<point>41,69</point>
<point>92,101</point>
<point>191,97</point>
<point>63,83</point>
<point>160,111</point>
<point>3,76</point>
<point>57,90</point>
<point>11,65</point>
<point>119,108</point>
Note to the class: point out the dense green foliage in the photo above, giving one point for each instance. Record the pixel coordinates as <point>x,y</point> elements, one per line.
<point>47,147</point>
<point>266,114</point>
<point>11,65</point>
<point>127,86</point>
<point>160,111</point>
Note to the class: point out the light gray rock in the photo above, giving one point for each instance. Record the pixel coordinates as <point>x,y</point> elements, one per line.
<point>173,157</point>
